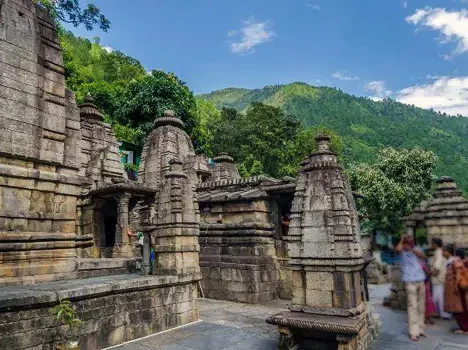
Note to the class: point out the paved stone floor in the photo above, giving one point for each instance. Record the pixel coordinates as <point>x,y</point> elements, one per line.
<point>235,326</point>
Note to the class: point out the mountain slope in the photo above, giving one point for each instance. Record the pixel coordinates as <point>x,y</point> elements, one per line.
<point>365,125</point>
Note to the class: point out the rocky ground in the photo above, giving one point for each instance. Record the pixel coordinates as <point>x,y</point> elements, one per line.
<point>228,325</point>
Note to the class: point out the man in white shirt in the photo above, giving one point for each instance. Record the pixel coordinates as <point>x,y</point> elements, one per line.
<point>438,271</point>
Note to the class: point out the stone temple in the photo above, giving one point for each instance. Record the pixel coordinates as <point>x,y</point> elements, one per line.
<point>444,216</point>
<point>68,210</point>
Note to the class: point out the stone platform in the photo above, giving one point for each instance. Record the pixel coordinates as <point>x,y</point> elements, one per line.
<point>113,309</point>
<point>237,326</point>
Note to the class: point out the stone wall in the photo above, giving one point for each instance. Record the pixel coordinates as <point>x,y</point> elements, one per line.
<point>237,252</point>
<point>113,310</point>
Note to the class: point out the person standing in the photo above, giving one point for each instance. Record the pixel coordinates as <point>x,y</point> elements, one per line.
<point>456,298</point>
<point>438,270</point>
<point>414,278</point>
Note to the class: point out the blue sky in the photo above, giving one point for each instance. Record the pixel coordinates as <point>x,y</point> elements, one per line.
<point>415,51</point>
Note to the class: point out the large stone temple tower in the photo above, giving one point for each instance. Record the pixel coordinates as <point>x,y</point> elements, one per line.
<point>39,150</point>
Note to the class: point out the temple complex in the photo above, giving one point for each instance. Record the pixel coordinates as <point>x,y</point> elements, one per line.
<point>68,217</point>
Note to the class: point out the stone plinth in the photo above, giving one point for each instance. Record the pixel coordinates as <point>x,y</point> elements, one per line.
<point>113,310</point>
<point>300,331</point>
<point>326,258</point>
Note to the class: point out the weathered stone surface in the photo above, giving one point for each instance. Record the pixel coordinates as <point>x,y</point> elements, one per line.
<point>224,168</point>
<point>168,140</point>
<point>113,310</point>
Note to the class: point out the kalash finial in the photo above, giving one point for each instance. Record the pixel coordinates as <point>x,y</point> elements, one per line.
<point>89,110</point>
<point>88,98</point>
<point>223,157</point>
<point>169,118</point>
<point>323,142</point>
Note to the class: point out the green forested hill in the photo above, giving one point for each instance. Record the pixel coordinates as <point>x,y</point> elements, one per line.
<point>365,125</point>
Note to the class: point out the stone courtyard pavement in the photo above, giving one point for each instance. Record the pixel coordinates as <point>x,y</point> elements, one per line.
<point>235,326</point>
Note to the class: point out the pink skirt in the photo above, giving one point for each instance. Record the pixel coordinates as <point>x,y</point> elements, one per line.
<point>430,306</point>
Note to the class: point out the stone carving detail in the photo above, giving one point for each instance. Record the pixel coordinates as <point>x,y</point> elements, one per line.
<point>168,140</point>
<point>176,225</point>
<point>99,147</point>
<point>39,150</point>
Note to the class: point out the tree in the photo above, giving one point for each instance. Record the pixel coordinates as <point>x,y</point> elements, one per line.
<point>206,114</point>
<point>392,186</point>
<point>69,11</point>
<point>148,97</point>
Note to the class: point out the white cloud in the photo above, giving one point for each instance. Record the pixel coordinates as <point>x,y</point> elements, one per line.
<point>344,76</point>
<point>404,4</point>
<point>108,49</point>
<point>444,94</point>
<point>378,89</point>
<point>315,7</point>
<point>452,25</point>
<point>253,33</point>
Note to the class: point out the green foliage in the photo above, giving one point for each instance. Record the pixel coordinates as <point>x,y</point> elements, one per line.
<point>365,126</point>
<point>148,97</point>
<point>127,133</point>
<point>69,11</point>
<point>131,167</point>
<point>392,186</point>
<point>264,140</point>
<point>206,114</point>
<point>66,315</point>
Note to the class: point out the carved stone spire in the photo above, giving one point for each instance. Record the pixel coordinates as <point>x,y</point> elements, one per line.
<point>176,225</point>
<point>324,231</point>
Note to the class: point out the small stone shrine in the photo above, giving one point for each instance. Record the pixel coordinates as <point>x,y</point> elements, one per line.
<point>328,308</point>
<point>241,236</point>
<point>444,216</point>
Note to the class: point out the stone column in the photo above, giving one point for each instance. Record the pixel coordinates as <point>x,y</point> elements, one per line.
<point>122,247</point>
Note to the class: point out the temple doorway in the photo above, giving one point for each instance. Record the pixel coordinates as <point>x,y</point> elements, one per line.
<point>109,224</point>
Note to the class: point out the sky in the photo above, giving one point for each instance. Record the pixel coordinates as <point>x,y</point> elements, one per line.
<point>414,51</point>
